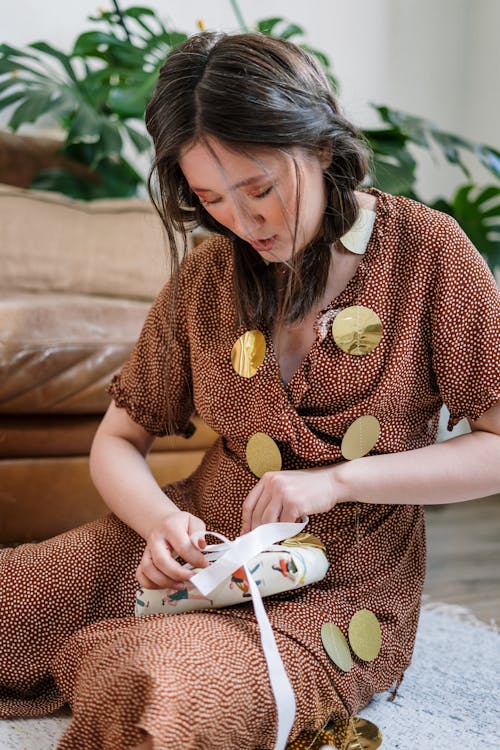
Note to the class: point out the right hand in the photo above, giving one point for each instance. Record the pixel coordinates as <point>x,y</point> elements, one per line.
<point>170,538</point>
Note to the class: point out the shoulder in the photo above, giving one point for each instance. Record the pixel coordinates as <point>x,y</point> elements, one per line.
<point>424,234</point>
<point>211,259</point>
<point>414,219</point>
<point>204,276</point>
<point>205,288</point>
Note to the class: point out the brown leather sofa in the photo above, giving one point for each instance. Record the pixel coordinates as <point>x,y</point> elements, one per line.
<point>76,281</point>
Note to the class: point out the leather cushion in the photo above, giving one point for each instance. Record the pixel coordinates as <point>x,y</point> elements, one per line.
<point>59,351</point>
<point>39,436</point>
<point>41,497</point>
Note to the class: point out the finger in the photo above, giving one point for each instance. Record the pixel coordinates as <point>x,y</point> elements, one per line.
<point>160,562</point>
<point>262,504</point>
<point>184,547</point>
<point>196,531</point>
<point>247,510</point>
<point>151,581</point>
<point>267,511</point>
<point>168,583</point>
<point>290,514</point>
<point>143,580</point>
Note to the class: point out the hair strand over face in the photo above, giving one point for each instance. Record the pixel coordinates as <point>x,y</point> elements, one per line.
<point>252,93</point>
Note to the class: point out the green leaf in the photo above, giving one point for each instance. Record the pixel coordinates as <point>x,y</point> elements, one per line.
<point>128,55</point>
<point>110,142</point>
<point>9,83</point>
<point>415,128</point>
<point>424,133</point>
<point>131,101</point>
<point>7,50</point>
<point>291,30</point>
<point>118,179</point>
<point>267,25</point>
<point>393,165</point>
<point>478,221</point>
<point>65,61</point>
<point>12,66</point>
<point>110,179</point>
<point>137,11</point>
<point>36,104</point>
<point>62,181</point>
<point>85,125</point>
<point>176,38</point>
<point>11,99</point>
<point>140,141</point>
<point>88,43</point>
<point>489,158</point>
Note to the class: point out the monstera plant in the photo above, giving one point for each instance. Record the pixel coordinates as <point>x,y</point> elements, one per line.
<point>97,94</point>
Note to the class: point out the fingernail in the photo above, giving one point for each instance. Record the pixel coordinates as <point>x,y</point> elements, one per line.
<point>202,543</point>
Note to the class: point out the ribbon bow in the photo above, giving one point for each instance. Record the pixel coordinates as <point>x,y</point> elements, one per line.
<point>226,558</point>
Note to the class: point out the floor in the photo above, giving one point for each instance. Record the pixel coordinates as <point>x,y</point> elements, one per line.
<point>463,567</point>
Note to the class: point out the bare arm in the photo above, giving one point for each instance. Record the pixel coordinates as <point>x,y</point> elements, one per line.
<point>462,468</point>
<point>121,474</point>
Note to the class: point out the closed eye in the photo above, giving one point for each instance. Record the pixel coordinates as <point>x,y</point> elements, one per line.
<point>263,193</point>
<point>214,202</point>
<point>209,203</point>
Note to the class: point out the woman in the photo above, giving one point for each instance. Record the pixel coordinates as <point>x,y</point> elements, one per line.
<point>250,143</point>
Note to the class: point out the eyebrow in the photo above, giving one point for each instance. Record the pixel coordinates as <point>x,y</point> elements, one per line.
<point>243,183</point>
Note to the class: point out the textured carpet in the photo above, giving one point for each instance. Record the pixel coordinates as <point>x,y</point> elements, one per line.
<point>449,698</point>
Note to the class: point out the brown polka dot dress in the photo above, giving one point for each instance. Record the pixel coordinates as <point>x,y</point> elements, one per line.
<point>199,680</point>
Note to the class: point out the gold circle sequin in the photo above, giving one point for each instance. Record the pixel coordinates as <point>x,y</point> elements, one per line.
<point>336,646</point>
<point>357,330</point>
<point>360,437</point>
<point>354,734</point>
<point>304,539</point>
<point>365,635</point>
<point>262,454</point>
<point>248,353</point>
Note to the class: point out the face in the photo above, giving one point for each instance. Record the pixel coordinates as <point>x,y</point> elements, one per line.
<point>255,197</point>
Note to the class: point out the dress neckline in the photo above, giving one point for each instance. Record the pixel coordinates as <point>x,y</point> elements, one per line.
<point>355,282</point>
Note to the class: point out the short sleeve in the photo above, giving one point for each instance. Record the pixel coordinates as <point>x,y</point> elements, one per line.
<point>465,327</point>
<point>155,384</point>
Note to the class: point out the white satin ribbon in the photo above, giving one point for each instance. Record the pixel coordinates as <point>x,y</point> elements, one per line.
<point>228,557</point>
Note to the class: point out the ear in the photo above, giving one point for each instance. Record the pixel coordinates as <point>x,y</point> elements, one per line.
<point>325,156</point>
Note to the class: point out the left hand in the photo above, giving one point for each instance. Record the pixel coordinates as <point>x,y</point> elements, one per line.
<point>286,496</point>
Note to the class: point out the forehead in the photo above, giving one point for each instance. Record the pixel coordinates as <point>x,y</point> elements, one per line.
<point>210,164</point>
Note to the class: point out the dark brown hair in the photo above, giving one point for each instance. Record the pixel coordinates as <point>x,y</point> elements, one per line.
<point>254,92</point>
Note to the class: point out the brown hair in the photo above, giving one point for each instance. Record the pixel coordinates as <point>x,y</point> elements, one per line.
<point>254,92</point>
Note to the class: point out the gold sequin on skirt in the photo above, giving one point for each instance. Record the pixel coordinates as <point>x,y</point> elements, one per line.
<point>353,734</point>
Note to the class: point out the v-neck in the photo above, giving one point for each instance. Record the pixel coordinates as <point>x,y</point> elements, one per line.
<point>356,282</point>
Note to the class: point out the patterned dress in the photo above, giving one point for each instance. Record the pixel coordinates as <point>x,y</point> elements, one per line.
<point>199,680</point>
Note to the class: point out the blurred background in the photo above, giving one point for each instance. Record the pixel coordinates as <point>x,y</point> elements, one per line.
<point>436,60</point>
<point>419,77</point>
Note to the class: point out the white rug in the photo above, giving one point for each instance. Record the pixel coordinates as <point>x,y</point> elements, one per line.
<point>449,698</point>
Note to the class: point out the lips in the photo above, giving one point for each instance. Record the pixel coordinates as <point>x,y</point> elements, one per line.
<point>264,245</point>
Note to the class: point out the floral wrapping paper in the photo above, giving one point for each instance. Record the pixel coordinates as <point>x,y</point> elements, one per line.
<point>282,568</point>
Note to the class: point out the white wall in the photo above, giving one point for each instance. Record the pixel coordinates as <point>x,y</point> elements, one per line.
<point>435,58</point>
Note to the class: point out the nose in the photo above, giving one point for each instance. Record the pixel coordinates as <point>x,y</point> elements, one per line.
<point>247,220</point>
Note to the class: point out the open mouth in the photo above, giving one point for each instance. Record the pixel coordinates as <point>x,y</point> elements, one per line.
<point>264,245</point>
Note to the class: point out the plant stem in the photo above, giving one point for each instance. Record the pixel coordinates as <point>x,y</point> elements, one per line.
<point>122,20</point>
<point>239,16</point>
